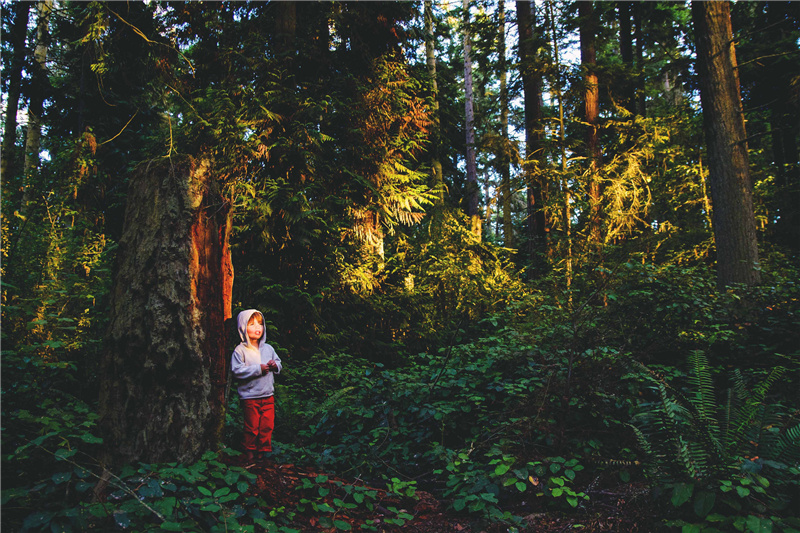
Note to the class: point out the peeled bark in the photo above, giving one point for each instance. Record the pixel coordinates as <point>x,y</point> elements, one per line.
<point>163,373</point>
<point>728,162</point>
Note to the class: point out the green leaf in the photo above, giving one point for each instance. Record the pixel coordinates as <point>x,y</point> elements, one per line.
<point>37,519</point>
<point>704,502</point>
<point>171,526</point>
<point>122,519</point>
<point>757,524</point>
<point>231,476</point>
<point>743,492</point>
<point>344,526</point>
<point>681,493</point>
<point>572,501</point>
<point>91,439</point>
<point>204,491</point>
<point>521,486</point>
<point>501,469</point>
<point>61,477</point>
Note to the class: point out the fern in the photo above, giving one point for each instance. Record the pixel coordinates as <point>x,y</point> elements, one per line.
<point>694,435</point>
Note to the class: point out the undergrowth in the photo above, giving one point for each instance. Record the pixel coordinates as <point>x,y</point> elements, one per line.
<point>543,409</point>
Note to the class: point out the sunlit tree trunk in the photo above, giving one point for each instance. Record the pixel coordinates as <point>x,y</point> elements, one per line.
<point>728,163</point>
<point>591,97</point>
<point>17,41</point>
<point>430,59</point>
<point>163,372</point>
<point>39,83</point>
<point>473,190</point>
<point>505,147</point>
<point>532,90</point>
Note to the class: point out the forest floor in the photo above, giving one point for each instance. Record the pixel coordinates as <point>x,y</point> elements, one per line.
<point>624,508</point>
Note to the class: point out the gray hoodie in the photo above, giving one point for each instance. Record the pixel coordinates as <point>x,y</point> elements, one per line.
<point>246,363</point>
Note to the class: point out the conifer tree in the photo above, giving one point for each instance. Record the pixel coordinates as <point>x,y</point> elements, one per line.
<point>729,173</point>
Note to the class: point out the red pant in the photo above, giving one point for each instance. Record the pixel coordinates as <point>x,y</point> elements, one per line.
<point>259,420</point>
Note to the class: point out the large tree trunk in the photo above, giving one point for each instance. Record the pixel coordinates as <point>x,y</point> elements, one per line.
<point>17,41</point>
<point>532,90</point>
<point>39,83</point>
<point>473,190</point>
<point>723,121</point>
<point>588,30</point>
<point>163,373</point>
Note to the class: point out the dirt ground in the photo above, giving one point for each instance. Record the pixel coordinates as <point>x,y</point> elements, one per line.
<point>625,508</point>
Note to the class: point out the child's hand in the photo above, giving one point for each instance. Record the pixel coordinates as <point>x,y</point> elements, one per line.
<point>272,365</point>
<point>265,368</point>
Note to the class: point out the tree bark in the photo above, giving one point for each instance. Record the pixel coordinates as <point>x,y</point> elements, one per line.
<point>626,52</point>
<point>473,190</point>
<point>17,41</point>
<point>505,147</point>
<point>430,59</point>
<point>532,90</point>
<point>163,372</point>
<point>39,83</point>
<point>723,122</point>
<point>588,31</point>
<point>641,108</point>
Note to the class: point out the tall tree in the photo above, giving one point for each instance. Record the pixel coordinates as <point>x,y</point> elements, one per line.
<point>17,41</point>
<point>626,52</point>
<point>723,121</point>
<point>473,190</point>
<point>430,61</point>
<point>530,72</point>
<point>163,377</point>
<point>504,160</point>
<point>591,96</point>
<point>39,84</point>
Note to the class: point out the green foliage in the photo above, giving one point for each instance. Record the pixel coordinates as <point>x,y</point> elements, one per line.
<point>80,495</point>
<point>736,453</point>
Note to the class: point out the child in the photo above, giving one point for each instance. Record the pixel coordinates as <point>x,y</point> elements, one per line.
<point>254,362</point>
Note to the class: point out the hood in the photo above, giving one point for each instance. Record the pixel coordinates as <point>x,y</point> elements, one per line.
<point>242,320</point>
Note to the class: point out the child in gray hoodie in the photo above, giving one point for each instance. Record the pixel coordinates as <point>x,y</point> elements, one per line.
<point>254,363</point>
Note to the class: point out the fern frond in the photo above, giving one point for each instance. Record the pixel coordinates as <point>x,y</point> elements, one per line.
<point>700,377</point>
<point>788,446</point>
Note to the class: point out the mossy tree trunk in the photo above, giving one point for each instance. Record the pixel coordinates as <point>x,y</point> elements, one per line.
<point>163,373</point>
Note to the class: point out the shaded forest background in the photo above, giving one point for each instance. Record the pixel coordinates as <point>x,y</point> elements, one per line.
<point>515,255</point>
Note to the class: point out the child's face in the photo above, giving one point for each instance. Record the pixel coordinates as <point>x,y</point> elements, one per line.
<point>254,331</point>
